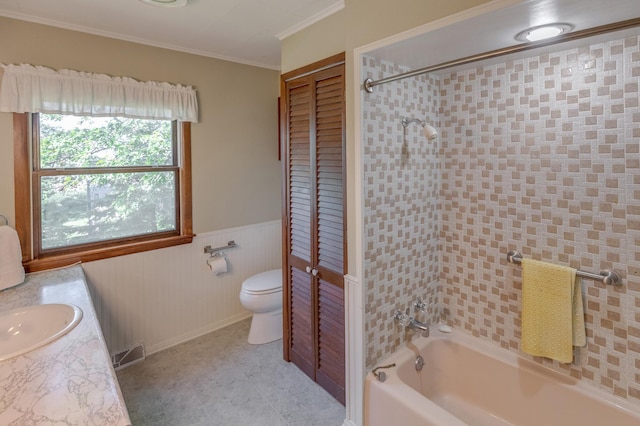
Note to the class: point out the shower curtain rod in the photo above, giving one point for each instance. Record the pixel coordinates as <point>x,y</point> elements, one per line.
<point>369,84</point>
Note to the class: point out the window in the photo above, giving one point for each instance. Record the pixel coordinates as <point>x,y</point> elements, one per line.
<point>106,168</point>
<point>102,179</point>
<point>102,186</point>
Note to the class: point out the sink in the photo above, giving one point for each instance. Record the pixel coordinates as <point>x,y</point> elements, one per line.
<point>25,329</point>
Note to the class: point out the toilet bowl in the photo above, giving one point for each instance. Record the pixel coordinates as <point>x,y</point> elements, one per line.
<point>262,295</point>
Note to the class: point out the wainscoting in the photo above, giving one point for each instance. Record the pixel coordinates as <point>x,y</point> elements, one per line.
<point>164,297</point>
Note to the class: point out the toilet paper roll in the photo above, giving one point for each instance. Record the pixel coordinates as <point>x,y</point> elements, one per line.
<point>218,264</point>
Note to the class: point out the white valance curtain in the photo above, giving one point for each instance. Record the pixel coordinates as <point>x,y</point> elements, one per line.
<point>28,88</point>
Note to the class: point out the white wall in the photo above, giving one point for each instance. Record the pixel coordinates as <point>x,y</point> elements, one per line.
<point>164,297</point>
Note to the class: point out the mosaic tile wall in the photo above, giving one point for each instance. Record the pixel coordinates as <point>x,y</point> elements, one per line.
<point>401,174</point>
<point>540,155</point>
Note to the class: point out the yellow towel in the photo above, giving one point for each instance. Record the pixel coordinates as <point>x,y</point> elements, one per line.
<point>552,311</point>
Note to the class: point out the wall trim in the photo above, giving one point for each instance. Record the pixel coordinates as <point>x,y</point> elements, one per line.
<point>132,39</point>
<point>210,234</point>
<point>337,7</point>
<point>437,24</point>
<point>197,333</point>
<point>354,346</point>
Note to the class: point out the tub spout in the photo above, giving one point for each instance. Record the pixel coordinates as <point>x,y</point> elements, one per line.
<point>414,324</point>
<point>410,322</point>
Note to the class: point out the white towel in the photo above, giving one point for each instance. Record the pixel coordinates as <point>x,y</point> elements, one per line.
<point>11,270</point>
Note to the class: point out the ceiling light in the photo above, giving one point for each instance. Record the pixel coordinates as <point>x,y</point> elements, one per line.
<point>543,32</point>
<point>166,3</point>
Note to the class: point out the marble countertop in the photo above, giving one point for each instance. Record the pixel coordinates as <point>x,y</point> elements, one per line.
<point>70,381</point>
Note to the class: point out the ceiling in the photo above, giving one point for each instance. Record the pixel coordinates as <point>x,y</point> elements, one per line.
<point>497,29</point>
<point>249,31</point>
<point>244,31</point>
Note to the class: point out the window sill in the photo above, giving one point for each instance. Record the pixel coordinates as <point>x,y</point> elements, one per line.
<point>62,260</point>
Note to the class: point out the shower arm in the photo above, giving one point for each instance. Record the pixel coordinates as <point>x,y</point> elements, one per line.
<point>406,121</point>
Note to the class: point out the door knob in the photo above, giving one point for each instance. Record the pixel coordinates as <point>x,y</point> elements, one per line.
<point>308,269</point>
<point>314,272</point>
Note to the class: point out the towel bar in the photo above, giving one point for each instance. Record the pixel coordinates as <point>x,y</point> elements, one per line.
<point>607,277</point>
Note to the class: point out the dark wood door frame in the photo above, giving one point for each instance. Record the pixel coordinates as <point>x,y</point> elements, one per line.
<point>324,278</point>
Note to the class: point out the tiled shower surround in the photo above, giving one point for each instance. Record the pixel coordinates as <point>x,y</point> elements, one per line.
<point>402,213</point>
<point>539,154</point>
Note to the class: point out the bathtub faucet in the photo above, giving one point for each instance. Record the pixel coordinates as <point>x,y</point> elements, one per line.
<point>419,306</point>
<point>414,324</point>
<point>407,321</point>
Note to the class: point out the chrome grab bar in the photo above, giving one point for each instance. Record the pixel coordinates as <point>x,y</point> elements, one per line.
<point>214,251</point>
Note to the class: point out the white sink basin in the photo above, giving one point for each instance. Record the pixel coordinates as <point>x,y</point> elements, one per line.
<point>25,329</point>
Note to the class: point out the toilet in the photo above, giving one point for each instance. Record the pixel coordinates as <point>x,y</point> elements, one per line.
<point>262,295</point>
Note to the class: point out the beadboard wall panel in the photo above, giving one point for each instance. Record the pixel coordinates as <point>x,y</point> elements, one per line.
<point>164,297</point>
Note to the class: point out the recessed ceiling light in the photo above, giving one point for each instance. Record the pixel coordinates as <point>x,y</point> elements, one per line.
<point>543,32</point>
<point>166,3</point>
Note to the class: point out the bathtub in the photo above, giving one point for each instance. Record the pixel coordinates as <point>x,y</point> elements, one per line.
<point>467,381</point>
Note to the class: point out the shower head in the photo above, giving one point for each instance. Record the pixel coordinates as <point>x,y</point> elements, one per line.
<point>429,131</point>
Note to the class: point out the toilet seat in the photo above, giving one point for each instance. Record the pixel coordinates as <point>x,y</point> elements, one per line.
<point>257,293</point>
<point>264,283</point>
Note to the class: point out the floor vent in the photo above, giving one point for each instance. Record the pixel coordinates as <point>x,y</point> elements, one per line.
<point>128,357</point>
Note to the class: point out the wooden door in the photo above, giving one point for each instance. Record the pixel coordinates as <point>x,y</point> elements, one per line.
<point>314,235</point>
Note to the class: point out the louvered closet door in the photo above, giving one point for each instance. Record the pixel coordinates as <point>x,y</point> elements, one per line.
<point>299,185</point>
<point>314,238</point>
<point>329,138</point>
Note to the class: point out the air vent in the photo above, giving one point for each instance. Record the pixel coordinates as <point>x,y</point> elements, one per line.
<point>129,357</point>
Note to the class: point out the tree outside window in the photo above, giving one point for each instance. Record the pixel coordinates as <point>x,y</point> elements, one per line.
<point>103,178</point>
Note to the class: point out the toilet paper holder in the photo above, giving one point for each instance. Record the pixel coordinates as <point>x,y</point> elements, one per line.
<point>216,251</point>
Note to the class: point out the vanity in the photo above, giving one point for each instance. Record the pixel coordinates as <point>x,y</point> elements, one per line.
<point>69,380</point>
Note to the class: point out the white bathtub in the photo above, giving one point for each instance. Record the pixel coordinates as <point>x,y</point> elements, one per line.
<point>467,381</point>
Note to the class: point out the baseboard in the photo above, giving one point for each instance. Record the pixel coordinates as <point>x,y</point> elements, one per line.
<point>197,333</point>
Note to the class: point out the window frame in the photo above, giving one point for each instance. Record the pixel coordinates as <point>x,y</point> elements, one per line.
<point>26,184</point>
